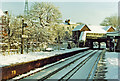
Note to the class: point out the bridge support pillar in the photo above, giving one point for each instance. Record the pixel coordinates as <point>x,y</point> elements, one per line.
<point>110,45</point>
<point>91,44</point>
<point>107,46</point>
<point>99,45</point>
<point>118,45</point>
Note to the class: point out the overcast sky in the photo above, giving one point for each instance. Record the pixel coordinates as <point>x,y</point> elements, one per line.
<point>87,11</point>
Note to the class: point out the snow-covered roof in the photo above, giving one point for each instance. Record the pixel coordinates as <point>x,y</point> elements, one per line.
<point>2,43</point>
<point>72,22</point>
<point>93,28</point>
<point>1,13</point>
<point>106,28</point>
<point>78,27</point>
<point>96,29</point>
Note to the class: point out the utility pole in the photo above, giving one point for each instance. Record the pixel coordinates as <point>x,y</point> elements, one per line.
<point>26,12</point>
<point>26,8</point>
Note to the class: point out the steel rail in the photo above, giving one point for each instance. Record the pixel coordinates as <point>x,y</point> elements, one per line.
<point>76,68</point>
<point>74,56</point>
<point>52,73</point>
<point>94,66</point>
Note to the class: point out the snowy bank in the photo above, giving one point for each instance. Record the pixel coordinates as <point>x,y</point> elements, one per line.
<point>20,58</point>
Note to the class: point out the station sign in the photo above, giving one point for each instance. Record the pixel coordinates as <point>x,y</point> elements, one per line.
<point>95,35</point>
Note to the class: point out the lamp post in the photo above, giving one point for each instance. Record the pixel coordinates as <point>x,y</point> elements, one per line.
<point>6,12</point>
<point>23,36</point>
<point>27,43</point>
<point>22,42</point>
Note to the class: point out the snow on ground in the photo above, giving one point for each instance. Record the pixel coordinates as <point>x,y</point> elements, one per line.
<point>19,58</point>
<point>112,65</point>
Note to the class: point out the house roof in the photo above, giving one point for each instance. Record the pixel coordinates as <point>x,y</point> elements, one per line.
<point>94,29</point>
<point>106,28</point>
<point>78,27</point>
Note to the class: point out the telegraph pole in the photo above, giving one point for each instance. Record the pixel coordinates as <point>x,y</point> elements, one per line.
<point>26,8</point>
<point>26,12</point>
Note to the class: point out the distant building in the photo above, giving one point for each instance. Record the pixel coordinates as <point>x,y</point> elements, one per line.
<point>3,31</point>
<point>1,13</point>
<point>68,26</point>
<point>67,22</point>
<point>1,25</point>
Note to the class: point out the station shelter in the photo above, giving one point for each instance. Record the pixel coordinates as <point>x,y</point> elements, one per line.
<point>90,35</point>
<point>114,39</point>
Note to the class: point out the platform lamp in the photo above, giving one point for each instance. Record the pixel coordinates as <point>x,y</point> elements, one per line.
<point>22,39</point>
<point>7,14</point>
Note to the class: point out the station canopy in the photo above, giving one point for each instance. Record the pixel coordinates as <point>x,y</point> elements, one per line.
<point>113,34</point>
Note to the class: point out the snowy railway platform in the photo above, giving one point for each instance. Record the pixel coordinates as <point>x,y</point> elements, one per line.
<point>34,62</point>
<point>112,65</point>
<point>13,65</point>
<point>19,58</point>
<point>107,68</point>
<point>111,71</point>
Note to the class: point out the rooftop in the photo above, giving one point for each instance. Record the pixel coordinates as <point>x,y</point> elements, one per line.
<point>93,28</point>
<point>1,13</point>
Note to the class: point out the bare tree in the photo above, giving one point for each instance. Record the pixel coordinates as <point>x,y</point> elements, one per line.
<point>43,17</point>
<point>110,21</point>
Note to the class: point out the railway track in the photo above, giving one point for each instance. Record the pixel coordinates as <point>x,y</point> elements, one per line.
<point>79,66</point>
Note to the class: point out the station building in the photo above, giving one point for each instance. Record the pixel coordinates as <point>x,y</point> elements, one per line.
<point>90,33</point>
